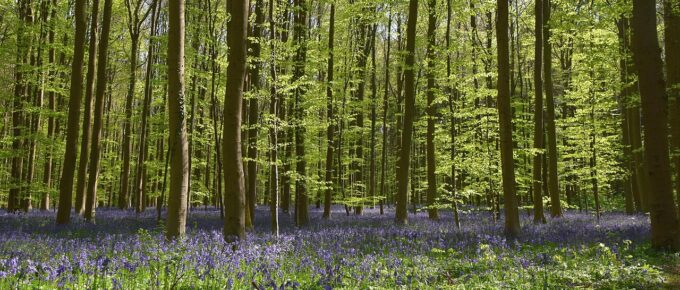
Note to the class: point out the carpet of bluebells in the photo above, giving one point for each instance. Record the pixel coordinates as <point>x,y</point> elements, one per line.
<point>125,250</point>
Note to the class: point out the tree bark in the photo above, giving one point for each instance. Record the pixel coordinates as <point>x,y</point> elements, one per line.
<point>234,199</point>
<point>89,87</point>
<point>300,41</point>
<point>383,158</point>
<point>538,115</point>
<point>647,54</point>
<point>672,46</point>
<point>374,96</point>
<point>330,131</point>
<point>630,185</point>
<point>409,111</point>
<point>20,92</point>
<point>91,196</point>
<point>139,185</point>
<point>51,106</point>
<point>432,211</point>
<point>253,112</point>
<point>454,93</point>
<point>553,182</point>
<point>177,140</point>
<point>75,96</point>
<point>512,225</point>
<point>273,134</point>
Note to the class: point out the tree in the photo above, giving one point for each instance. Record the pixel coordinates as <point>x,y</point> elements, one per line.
<point>51,122</point>
<point>672,47</point>
<point>512,226</point>
<point>300,42</point>
<point>89,87</point>
<point>234,197</point>
<point>139,185</point>
<point>102,78</point>
<point>632,195</point>
<point>75,95</point>
<point>273,134</point>
<point>432,212</point>
<point>538,114</point>
<point>177,139</point>
<point>386,94</point>
<point>134,26</point>
<point>553,182</point>
<point>646,52</point>
<point>409,112</point>
<point>330,133</point>
<point>253,112</point>
<point>20,96</point>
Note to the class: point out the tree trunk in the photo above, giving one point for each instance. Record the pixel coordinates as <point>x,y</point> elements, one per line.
<point>672,47</point>
<point>253,113</point>
<point>89,87</point>
<point>330,133</point>
<point>124,201</point>
<point>432,211</point>
<point>300,40</point>
<point>20,91</point>
<point>273,134</point>
<point>51,103</point>
<point>177,140</point>
<point>234,199</point>
<point>75,96</point>
<point>538,114</point>
<point>374,95</point>
<point>553,182</point>
<point>663,214</point>
<point>383,158</point>
<point>630,185</point>
<point>139,188</point>
<point>91,196</point>
<point>512,226</point>
<point>409,111</point>
<point>453,92</point>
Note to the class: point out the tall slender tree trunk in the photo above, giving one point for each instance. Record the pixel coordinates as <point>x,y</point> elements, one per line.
<point>452,93</point>
<point>512,226</point>
<point>672,47</point>
<point>89,88</point>
<point>124,200</point>
<point>253,112</point>
<point>177,140</point>
<point>139,185</point>
<point>20,92</point>
<point>75,96</point>
<point>663,214</point>
<point>553,182</point>
<point>300,40</point>
<point>102,78</point>
<point>330,131</point>
<point>35,97</point>
<point>409,112</point>
<point>630,185</point>
<point>374,99</point>
<point>214,110</point>
<point>273,134</point>
<point>383,158</point>
<point>234,199</point>
<point>538,114</point>
<point>51,106</point>
<point>432,211</point>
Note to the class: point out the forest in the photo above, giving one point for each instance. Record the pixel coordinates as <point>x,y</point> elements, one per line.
<point>340,144</point>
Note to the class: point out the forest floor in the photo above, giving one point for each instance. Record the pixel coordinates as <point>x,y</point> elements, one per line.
<point>124,250</point>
